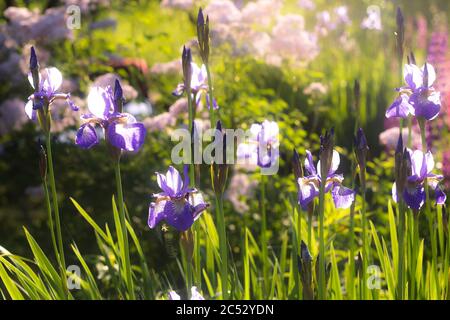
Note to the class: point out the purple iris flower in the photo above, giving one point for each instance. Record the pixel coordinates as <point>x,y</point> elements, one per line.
<point>418,98</point>
<point>177,204</point>
<point>262,148</point>
<point>309,185</point>
<point>50,80</point>
<point>414,191</point>
<point>121,129</point>
<point>199,85</point>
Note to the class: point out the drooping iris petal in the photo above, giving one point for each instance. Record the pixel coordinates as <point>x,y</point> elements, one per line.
<point>179,214</point>
<point>179,90</point>
<point>86,136</point>
<point>156,212</point>
<point>400,108</point>
<point>129,137</point>
<point>307,191</point>
<point>51,80</point>
<point>197,202</point>
<point>440,196</point>
<point>30,111</point>
<point>414,196</point>
<point>30,79</point>
<point>100,103</point>
<point>343,197</point>
<point>426,106</point>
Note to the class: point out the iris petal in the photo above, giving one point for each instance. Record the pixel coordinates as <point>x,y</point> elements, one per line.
<point>129,137</point>
<point>86,136</point>
<point>343,197</point>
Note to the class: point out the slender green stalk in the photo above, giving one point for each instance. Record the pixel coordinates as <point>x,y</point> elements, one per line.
<point>223,245</point>
<point>265,256</point>
<point>428,212</point>
<point>310,216</point>
<point>212,115</point>
<point>126,250</point>
<point>50,219</point>
<point>401,256</point>
<point>62,262</point>
<point>322,281</point>
<point>365,251</point>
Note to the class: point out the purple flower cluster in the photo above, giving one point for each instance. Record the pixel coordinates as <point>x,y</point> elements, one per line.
<point>418,98</point>
<point>309,185</point>
<point>177,204</point>
<point>414,193</point>
<point>121,129</point>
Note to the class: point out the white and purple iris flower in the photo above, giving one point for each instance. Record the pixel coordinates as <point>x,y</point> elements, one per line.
<point>199,86</point>
<point>414,193</point>
<point>50,80</point>
<point>309,185</point>
<point>121,129</point>
<point>262,148</point>
<point>195,295</point>
<point>177,204</point>
<point>418,98</point>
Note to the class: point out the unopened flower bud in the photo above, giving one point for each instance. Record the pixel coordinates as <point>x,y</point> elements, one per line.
<point>118,96</point>
<point>186,60</point>
<point>34,69</point>
<point>326,152</point>
<point>43,162</point>
<point>296,166</point>
<point>203,36</point>
<point>400,32</point>
<point>361,149</point>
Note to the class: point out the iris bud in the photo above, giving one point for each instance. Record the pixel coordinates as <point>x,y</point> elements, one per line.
<point>305,268</point>
<point>219,171</point>
<point>186,60</point>
<point>326,152</point>
<point>296,166</point>
<point>361,149</point>
<point>118,96</point>
<point>203,36</point>
<point>43,162</point>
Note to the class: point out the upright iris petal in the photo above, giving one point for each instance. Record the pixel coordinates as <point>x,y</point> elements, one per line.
<point>177,204</point>
<point>121,129</point>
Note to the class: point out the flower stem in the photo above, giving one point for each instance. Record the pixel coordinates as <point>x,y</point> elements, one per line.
<point>50,218</point>
<point>401,256</point>
<point>212,116</point>
<point>322,281</point>
<point>125,250</point>
<point>365,251</point>
<point>263,236</point>
<point>62,262</point>
<point>428,212</point>
<point>223,245</point>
